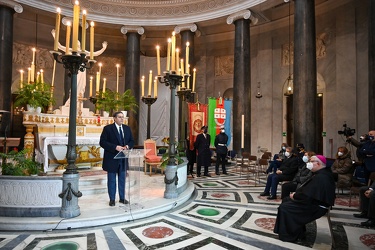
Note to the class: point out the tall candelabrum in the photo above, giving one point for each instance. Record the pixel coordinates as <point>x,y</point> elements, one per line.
<point>73,63</point>
<point>148,100</point>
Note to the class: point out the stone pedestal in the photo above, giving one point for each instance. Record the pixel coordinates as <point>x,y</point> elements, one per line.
<point>69,196</point>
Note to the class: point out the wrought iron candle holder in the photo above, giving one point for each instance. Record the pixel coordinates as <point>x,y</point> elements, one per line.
<point>73,63</point>
<point>93,100</point>
<point>148,100</point>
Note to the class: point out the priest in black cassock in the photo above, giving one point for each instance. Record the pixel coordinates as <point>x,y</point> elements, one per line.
<point>310,202</point>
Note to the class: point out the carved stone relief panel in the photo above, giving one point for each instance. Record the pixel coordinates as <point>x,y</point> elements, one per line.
<point>224,65</point>
<point>22,57</point>
<point>109,66</point>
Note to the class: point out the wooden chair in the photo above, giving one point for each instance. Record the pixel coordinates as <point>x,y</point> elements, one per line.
<point>249,164</point>
<point>266,155</point>
<point>151,158</point>
<point>262,168</point>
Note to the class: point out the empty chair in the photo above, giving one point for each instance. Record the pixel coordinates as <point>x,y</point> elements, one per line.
<point>151,158</point>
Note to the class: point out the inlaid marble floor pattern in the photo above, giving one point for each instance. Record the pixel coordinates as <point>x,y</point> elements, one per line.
<point>225,212</point>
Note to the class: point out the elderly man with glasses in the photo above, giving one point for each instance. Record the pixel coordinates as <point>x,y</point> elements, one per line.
<point>310,202</point>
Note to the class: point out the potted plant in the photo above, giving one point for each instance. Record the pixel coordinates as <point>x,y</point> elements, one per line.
<point>165,157</point>
<point>106,101</point>
<point>34,95</point>
<point>17,164</point>
<point>110,101</point>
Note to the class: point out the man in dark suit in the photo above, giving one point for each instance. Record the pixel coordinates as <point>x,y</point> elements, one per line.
<point>367,207</point>
<point>115,138</point>
<point>202,144</point>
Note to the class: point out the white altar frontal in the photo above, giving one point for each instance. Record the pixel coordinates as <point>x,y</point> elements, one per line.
<point>47,136</point>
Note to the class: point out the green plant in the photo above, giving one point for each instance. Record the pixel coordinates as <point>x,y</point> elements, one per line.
<point>127,101</point>
<point>112,101</point>
<point>165,157</point>
<point>17,164</point>
<point>106,100</point>
<point>35,94</point>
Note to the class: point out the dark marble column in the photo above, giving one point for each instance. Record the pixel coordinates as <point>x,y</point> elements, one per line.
<point>371,65</point>
<point>7,10</point>
<point>132,72</point>
<point>187,35</point>
<point>304,70</point>
<point>241,79</point>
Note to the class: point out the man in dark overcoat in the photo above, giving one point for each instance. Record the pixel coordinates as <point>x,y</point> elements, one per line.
<point>115,138</point>
<point>202,144</point>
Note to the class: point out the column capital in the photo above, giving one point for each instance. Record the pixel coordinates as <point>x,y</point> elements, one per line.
<point>13,4</point>
<point>126,28</point>
<point>245,14</point>
<point>189,26</point>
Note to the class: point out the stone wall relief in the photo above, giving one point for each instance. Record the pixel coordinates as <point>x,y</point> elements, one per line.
<point>224,65</point>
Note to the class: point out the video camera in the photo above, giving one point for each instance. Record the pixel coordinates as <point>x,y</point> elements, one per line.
<point>346,131</point>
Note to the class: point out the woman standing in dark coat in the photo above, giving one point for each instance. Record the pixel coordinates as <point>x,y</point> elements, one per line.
<point>202,144</point>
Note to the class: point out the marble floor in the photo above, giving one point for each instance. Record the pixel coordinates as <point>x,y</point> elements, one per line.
<point>218,212</point>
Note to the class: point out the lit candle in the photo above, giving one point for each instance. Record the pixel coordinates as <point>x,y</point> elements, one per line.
<point>37,77</point>
<point>182,67</point>
<point>90,85</point>
<point>149,83</point>
<point>53,73</point>
<point>158,58</point>
<point>143,85</point>
<point>104,84</point>
<point>41,76</point>
<point>29,74</point>
<point>169,54</point>
<point>194,76</point>
<point>187,57</point>
<point>97,83</point>
<point>242,131</point>
<point>67,41</point>
<point>92,41</point>
<point>21,79</point>
<point>57,29</point>
<point>100,72</point>
<point>33,61</point>
<point>177,60</point>
<point>117,76</point>
<point>75,26</point>
<point>32,73</point>
<point>83,47</point>
<point>173,51</point>
<point>155,87</point>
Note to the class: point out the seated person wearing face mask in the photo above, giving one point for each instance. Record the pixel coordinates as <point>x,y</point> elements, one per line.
<point>342,168</point>
<point>286,172</point>
<point>277,159</point>
<point>302,175</point>
<point>310,202</point>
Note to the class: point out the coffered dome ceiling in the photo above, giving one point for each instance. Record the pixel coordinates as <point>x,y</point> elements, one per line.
<point>148,12</point>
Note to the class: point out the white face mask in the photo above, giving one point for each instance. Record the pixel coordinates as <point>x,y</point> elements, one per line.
<point>340,153</point>
<point>287,154</point>
<point>222,131</point>
<point>283,148</point>
<point>305,158</point>
<point>309,166</point>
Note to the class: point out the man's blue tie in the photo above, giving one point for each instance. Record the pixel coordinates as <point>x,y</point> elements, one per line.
<point>122,137</point>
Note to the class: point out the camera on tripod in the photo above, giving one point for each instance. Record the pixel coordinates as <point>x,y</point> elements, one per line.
<point>346,131</point>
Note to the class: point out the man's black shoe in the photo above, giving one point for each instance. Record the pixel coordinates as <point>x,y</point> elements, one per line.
<point>225,173</point>
<point>198,175</point>
<point>124,201</point>
<point>112,203</point>
<point>272,197</point>
<point>207,175</point>
<point>369,223</point>
<point>217,173</point>
<point>361,215</point>
<point>264,194</point>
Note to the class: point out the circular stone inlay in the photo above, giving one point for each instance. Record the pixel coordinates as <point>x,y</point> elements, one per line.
<point>210,184</point>
<point>208,212</point>
<point>157,232</point>
<point>266,223</point>
<point>61,246</point>
<point>368,240</point>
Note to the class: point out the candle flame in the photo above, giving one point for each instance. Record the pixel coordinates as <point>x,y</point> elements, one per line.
<point>58,10</point>
<point>187,44</point>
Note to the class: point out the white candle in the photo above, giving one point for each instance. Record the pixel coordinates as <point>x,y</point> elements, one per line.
<point>104,84</point>
<point>242,131</point>
<point>75,26</point>
<point>21,79</point>
<point>33,61</point>
<point>194,77</point>
<point>169,54</point>
<point>37,77</point>
<point>57,29</point>
<point>117,76</point>
<point>149,83</point>
<point>155,87</point>
<point>90,85</point>
<point>32,73</point>
<point>53,73</point>
<point>29,74</point>
<point>41,76</point>
<point>173,51</point>
<point>158,58</point>
<point>182,67</point>
<point>177,60</point>
<point>83,46</point>
<point>100,73</point>
<point>92,41</point>
<point>97,83</point>
<point>187,56</point>
<point>67,41</point>
<point>143,85</point>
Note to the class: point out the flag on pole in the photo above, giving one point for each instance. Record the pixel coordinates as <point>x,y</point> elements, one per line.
<point>196,120</point>
<point>219,113</point>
